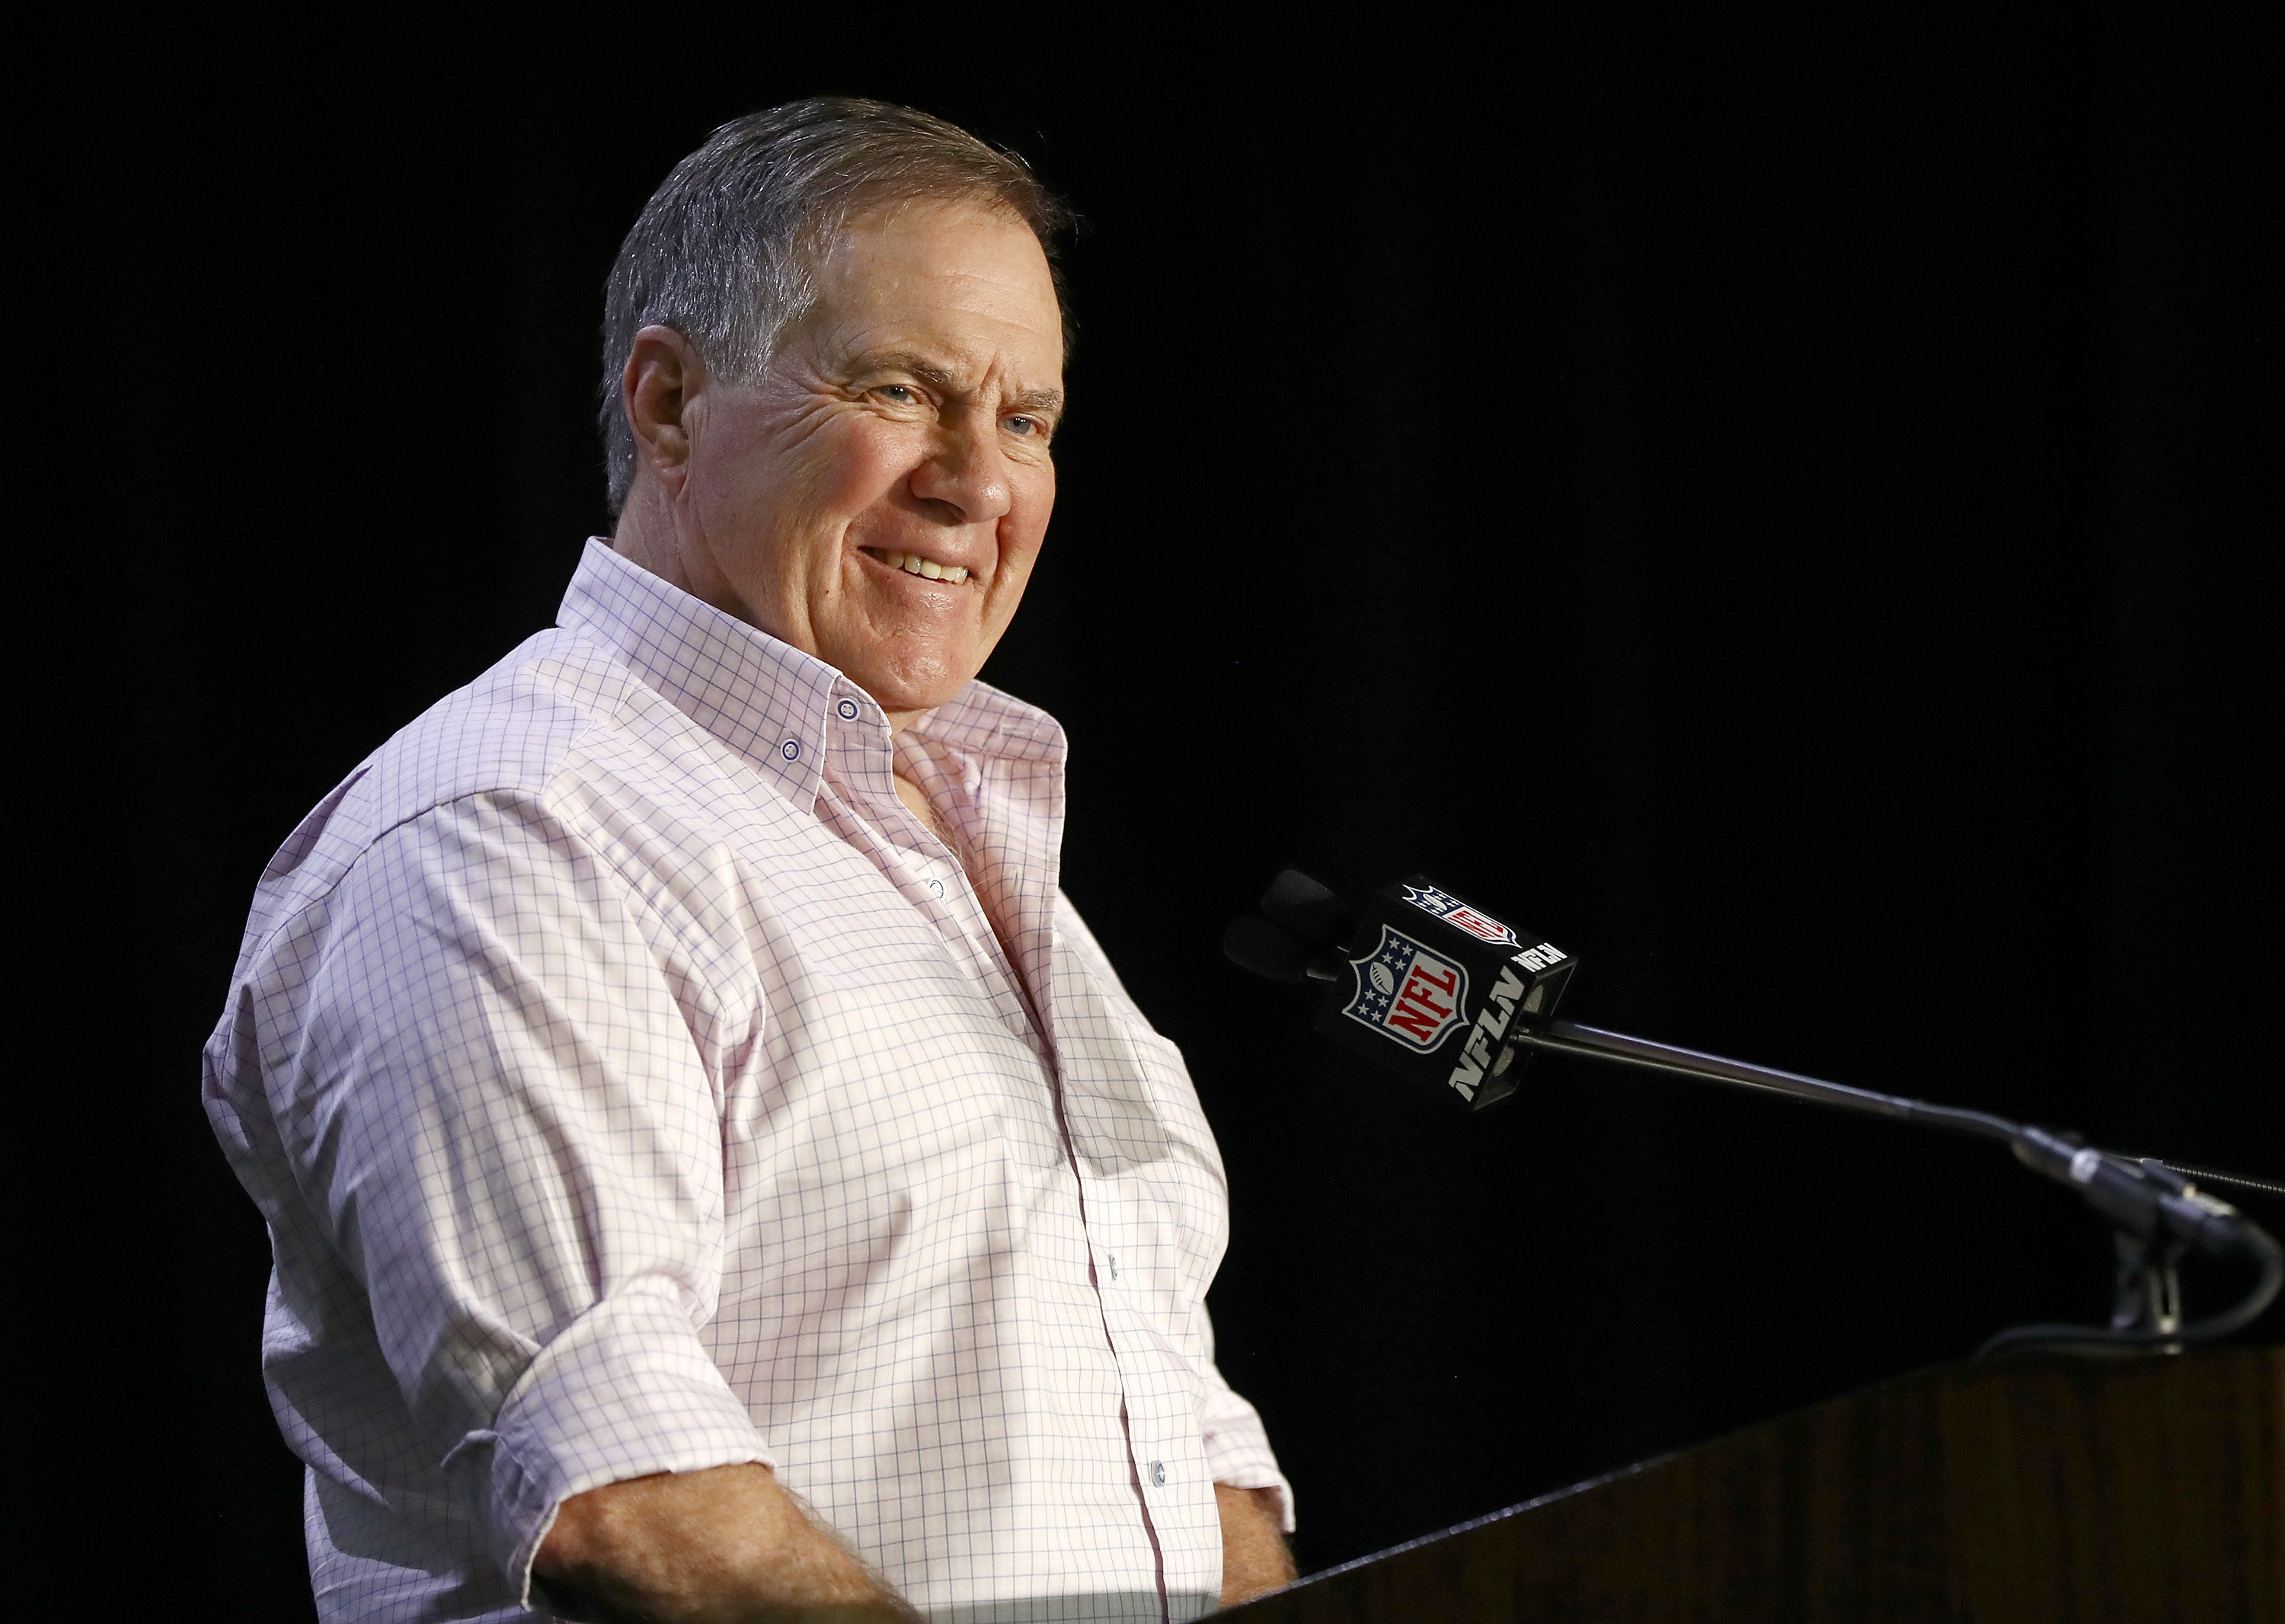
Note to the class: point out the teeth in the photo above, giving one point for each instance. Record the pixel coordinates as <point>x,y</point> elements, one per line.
<point>928,569</point>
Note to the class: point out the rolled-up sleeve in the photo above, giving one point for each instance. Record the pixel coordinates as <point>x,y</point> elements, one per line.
<point>493,1100</point>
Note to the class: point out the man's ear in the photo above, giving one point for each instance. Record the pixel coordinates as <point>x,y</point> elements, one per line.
<point>663,373</point>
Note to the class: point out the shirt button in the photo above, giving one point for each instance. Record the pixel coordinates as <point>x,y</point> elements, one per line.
<point>790,750</point>
<point>1114,1266</point>
<point>936,888</point>
<point>848,708</point>
<point>1158,1474</point>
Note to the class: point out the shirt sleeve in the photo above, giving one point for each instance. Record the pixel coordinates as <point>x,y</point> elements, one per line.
<point>494,1100</point>
<point>1236,1444</point>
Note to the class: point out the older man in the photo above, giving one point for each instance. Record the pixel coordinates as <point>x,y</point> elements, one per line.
<point>713,1173</point>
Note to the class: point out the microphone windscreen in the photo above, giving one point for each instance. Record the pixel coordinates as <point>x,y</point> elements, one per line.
<point>1307,909</point>
<point>1254,944</point>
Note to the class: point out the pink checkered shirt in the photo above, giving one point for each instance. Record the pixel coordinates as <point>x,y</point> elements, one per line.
<point>633,1084</point>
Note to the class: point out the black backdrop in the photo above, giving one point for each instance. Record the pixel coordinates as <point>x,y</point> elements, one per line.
<point>1781,501</point>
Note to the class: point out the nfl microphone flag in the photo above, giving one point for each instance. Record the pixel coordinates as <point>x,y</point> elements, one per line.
<point>1430,985</point>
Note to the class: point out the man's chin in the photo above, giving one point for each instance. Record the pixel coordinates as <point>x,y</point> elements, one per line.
<point>904,691</point>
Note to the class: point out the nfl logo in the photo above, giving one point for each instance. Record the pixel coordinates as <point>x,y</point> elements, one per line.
<point>1408,992</point>
<point>1452,911</point>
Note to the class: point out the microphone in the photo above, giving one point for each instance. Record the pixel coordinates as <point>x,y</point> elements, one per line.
<point>1421,981</point>
<point>1428,985</point>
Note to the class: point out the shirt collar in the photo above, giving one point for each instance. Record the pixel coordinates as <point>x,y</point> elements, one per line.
<point>773,704</point>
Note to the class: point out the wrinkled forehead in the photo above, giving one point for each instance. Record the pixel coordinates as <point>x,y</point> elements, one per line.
<point>964,276</point>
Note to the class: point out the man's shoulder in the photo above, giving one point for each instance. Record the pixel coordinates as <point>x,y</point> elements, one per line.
<point>512,732</point>
<point>508,731</point>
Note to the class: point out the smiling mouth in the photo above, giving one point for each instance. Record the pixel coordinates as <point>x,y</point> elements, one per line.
<point>913,563</point>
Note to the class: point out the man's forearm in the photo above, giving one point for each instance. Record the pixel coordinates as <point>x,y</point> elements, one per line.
<point>729,1545</point>
<point>1254,1557</point>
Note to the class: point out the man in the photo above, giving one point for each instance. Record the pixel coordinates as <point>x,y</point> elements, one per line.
<point>713,1174</point>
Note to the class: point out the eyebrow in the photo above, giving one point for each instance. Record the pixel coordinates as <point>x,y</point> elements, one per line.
<point>1047,401</point>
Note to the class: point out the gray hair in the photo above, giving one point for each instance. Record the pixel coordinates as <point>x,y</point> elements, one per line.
<point>721,253</point>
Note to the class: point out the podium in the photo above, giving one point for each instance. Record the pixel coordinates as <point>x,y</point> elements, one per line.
<point>2142,1491</point>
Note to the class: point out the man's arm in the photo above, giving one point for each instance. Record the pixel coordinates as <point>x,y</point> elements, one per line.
<point>728,1545</point>
<point>1254,1557</point>
<point>523,1152</point>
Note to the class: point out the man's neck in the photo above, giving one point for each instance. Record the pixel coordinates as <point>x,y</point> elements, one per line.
<point>645,536</point>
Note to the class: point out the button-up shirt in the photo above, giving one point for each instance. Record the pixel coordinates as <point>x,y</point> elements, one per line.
<point>633,1084</point>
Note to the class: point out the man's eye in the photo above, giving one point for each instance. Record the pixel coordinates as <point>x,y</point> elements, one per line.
<point>896,392</point>
<point>1026,424</point>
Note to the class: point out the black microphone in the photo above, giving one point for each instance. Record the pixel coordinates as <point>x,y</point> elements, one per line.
<point>1421,981</point>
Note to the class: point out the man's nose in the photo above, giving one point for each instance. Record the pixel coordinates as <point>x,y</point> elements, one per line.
<point>968,472</point>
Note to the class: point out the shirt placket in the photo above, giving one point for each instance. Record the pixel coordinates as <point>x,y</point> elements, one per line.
<point>922,868</point>
<point>1167,1454</point>
<point>927,873</point>
<point>941,886</point>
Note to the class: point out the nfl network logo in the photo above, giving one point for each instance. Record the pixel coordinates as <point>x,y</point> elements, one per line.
<point>1452,911</point>
<point>1408,992</point>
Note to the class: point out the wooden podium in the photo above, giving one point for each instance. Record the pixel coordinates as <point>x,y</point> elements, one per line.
<point>2142,1491</point>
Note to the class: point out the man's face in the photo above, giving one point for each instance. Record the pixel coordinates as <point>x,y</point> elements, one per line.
<point>901,427</point>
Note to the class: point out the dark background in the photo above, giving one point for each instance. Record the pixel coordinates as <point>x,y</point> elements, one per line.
<point>1781,502</point>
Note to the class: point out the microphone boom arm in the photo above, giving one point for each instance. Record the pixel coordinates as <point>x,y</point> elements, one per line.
<point>1593,1043</point>
<point>2157,1213</point>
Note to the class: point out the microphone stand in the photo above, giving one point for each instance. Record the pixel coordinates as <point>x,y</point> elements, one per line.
<point>2157,1213</point>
